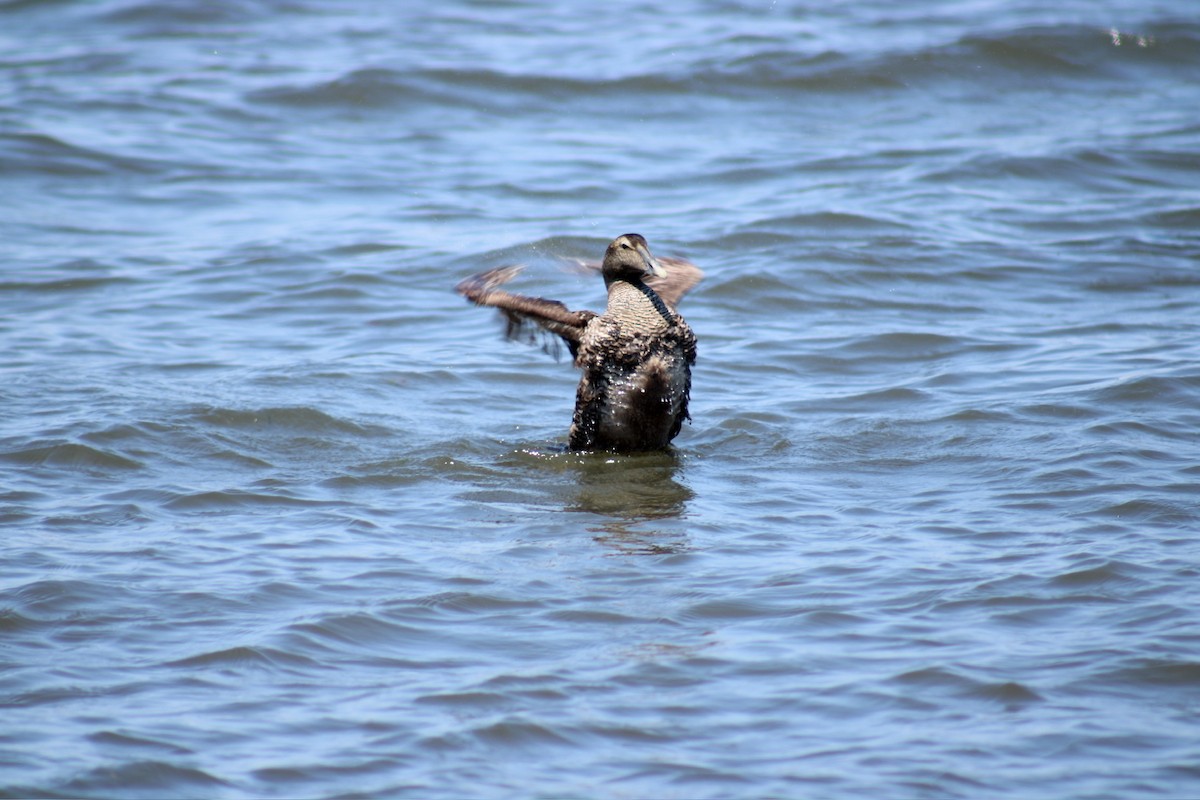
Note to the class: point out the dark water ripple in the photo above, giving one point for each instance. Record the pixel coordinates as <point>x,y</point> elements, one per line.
<point>284,517</point>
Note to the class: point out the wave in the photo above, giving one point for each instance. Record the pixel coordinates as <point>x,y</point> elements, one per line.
<point>363,88</point>
<point>40,153</point>
<point>827,222</point>
<point>1013,58</point>
<point>1180,391</point>
<point>1040,54</point>
<point>296,418</point>
<point>71,455</point>
<point>78,275</point>
<point>243,656</point>
<point>150,778</point>
<point>165,16</point>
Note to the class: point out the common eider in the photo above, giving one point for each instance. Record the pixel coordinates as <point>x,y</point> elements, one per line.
<point>636,357</point>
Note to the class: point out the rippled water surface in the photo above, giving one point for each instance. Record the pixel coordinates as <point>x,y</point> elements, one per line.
<point>283,516</point>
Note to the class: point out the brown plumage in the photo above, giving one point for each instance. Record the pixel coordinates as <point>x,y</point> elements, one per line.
<point>636,357</point>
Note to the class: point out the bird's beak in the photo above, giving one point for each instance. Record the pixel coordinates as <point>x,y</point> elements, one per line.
<point>653,268</point>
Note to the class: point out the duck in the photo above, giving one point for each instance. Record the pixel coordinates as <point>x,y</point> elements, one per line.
<point>635,358</point>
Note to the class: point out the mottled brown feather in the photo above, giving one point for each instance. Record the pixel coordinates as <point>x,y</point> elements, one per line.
<point>636,358</point>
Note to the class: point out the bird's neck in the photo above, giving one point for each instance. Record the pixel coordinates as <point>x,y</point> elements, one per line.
<point>634,299</point>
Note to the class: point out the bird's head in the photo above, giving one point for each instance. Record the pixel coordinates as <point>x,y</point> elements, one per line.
<point>628,258</point>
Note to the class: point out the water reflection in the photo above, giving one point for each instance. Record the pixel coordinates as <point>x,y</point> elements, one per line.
<point>631,490</point>
<point>631,487</point>
<point>629,538</point>
<point>627,491</point>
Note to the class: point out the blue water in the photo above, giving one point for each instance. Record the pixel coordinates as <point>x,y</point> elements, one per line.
<point>283,516</point>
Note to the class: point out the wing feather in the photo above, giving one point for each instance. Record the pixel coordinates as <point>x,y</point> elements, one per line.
<point>526,318</point>
<point>682,276</point>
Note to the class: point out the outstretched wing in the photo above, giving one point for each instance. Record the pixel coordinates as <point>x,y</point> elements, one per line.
<point>525,317</point>
<point>681,276</point>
